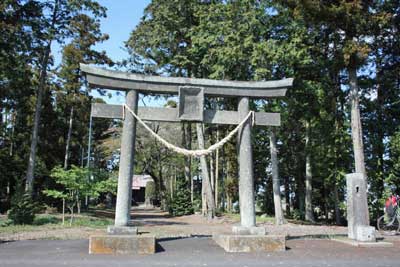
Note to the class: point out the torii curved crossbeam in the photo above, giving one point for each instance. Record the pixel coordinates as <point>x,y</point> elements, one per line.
<point>109,79</point>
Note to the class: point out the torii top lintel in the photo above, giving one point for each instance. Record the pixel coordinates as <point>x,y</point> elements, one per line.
<point>109,79</point>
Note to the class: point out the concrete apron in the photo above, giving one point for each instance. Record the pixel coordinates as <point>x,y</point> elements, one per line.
<point>122,240</point>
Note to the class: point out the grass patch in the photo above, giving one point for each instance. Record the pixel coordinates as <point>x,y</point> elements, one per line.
<point>45,222</point>
<point>259,218</point>
<point>92,222</point>
<point>42,222</point>
<point>46,219</point>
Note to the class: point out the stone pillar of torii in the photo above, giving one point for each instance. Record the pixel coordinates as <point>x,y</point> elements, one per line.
<point>191,108</point>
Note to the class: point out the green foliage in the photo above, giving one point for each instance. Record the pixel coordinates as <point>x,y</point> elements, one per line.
<point>102,181</point>
<point>29,29</point>
<point>298,215</point>
<point>79,183</point>
<point>181,204</point>
<point>150,191</point>
<point>75,182</point>
<point>46,219</point>
<point>196,205</point>
<point>23,208</point>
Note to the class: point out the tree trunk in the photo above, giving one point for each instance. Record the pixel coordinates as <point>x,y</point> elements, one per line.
<point>380,142</point>
<point>2,123</point>
<point>13,119</point>
<point>38,106</point>
<point>337,103</point>
<point>35,130</point>
<point>356,128</point>
<point>71,209</point>
<point>78,204</point>
<point>63,211</point>
<point>188,166</point>
<point>287,196</point>
<point>216,173</point>
<point>326,199</point>
<point>279,219</point>
<point>300,199</point>
<point>171,185</point>
<point>191,190</point>
<point>309,214</point>
<point>71,118</point>
<point>229,203</point>
<point>186,144</point>
<point>212,172</point>
<point>203,198</point>
<point>175,177</point>
<point>337,210</point>
<point>204,174</point>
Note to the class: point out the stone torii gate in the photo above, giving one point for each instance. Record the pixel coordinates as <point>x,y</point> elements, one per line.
<point>191,108</point>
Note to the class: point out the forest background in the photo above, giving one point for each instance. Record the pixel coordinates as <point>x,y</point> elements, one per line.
<point>344,56</point>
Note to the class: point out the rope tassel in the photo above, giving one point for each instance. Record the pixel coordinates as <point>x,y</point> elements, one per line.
<point>187,152</point>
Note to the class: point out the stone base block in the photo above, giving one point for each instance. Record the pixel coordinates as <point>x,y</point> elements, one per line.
<point>122,230</point>
<point>251,243</point>
<point>122,244</point>
<point>365,233</point>
<point>254,230</point>
<point>354,243</point>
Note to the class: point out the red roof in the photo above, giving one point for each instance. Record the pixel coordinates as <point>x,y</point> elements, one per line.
<point>139,181</point>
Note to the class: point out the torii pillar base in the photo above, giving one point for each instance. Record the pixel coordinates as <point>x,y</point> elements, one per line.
<point>122,244</point>
<point>251,243</point>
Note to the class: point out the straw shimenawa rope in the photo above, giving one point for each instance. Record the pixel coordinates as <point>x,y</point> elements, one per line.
<point>187,152</point>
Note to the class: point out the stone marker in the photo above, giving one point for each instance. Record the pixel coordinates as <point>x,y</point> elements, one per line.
<point>357,209</point>
<point>365,233</point>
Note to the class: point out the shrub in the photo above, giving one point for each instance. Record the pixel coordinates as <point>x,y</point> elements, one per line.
<point>23,208</point>
<point>150,193</point>
<point>298,214</point>
<point>181,203</point>
<point>197,205</point>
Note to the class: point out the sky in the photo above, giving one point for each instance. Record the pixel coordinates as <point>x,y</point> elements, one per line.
<point>122,18</point>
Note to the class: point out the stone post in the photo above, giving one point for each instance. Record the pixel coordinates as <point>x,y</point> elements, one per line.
<point>246,176</point>
<point>357,205</point>
<point>124,192</point>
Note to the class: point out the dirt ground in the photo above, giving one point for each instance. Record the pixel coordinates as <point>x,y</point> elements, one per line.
<point>163,225</point>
